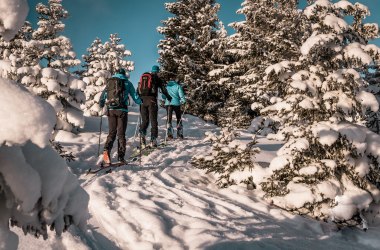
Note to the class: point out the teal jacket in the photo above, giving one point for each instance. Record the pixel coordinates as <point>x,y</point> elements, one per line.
<point>176,92</point>
<point>129,91</point>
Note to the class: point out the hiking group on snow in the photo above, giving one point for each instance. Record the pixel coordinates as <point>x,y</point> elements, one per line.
<point>115,100</point>
<point>310,74</point>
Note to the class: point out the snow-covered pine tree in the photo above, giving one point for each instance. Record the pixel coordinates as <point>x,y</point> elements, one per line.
<point>17,53</point>
<point>102,61</point>
<point>94,55</point>
<point>329,167</point>
<point>116,54</point>
<point>271,32</point>
<point>54,82</point>
<point>231,160</point>
<point>190,50</point>
<point>37,190</point>
<point>56,49</point>
<point>373,79</point>
<point>210,96</point>
<point>95,84</point>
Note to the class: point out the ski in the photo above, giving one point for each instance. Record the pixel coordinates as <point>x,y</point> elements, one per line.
<point>161,145</point>
<point>133,158</point>
<point>146,150</point>
<point>177,139</point>
<point>108,167</point>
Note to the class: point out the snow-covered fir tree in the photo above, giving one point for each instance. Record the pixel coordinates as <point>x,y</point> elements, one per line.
<point>56,49</point>
<point>373,79</point>
<point>102,61</point>
<point>54,82</point>
<point>271,32</point>
<point>210,96</point>
<point>190,50</point>
<point>94,76</point>
<point>37,190</point>
<point>329,167</point>
<point>95,52</point>
<point>18,52</point>
<point>231,160</point>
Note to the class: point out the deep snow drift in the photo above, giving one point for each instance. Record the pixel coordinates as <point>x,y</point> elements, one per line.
<point>168,204</point>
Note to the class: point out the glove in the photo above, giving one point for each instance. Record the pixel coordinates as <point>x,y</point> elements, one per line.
<point>186,106</point>
<point>162,103</point>
<point>104,111</point>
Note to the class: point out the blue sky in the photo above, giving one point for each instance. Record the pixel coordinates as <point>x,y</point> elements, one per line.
<point>136,21</point>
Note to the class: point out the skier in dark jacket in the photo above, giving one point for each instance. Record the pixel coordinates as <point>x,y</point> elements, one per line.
<point>118,118</point>
<point>178,98</point>
<point>148,91</point>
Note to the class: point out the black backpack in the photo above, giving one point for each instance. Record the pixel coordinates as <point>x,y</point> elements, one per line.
<point>115,93</point>
<point>146,85</point>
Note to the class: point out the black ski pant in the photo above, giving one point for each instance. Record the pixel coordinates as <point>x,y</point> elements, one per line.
<point>178,113</point>
<point>117,124</point>
<point>149,111</point>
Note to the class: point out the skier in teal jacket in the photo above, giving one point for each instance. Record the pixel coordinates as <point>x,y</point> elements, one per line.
<point>178,98</point>
<point>118,118</point>
<point>129,91</point>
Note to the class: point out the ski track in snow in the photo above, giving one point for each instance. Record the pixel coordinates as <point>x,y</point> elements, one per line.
<point>167,204</point>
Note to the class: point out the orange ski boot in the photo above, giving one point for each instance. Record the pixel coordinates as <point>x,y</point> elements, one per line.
<point>106,157</point>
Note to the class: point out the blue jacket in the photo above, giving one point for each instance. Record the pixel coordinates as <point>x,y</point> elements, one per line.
<point>129,90</point>
<point>176,92</point>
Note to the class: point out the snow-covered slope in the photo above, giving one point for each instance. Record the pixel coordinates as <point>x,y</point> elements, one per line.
<point>167,204</point>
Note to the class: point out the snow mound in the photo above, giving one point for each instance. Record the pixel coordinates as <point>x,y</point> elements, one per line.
<point>10,22</point>
<point>37,116</point>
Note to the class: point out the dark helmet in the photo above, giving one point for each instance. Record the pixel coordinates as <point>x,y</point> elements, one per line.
<point>155,69</point>
<point>121,71</point>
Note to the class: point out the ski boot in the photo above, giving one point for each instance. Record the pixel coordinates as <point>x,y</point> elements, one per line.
<point>122,160</point>
<point>143,139</point>
<point>153,142</point>
<point>170,133</point>
<point>180,132</point>
<point>106,157</point>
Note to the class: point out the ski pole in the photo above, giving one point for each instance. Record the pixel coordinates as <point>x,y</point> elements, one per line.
<point>180,120</point>
<point>140,137</point>
<point>183,113</point>
<point>167,124</point>
<point>100,133</point>
<point>137,124</point>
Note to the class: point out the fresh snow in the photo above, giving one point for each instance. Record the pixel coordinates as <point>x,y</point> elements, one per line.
<point>312,8</point>
<point>319,39</point>
<point>37,188</point>
<point>368,100</point>
<point>12,16</point>
<point>165,203</point>
<point>344,5</point>
<point>16,101</point>
<point>358,51</point>
<point>168,204</point>
<point>336,23</point>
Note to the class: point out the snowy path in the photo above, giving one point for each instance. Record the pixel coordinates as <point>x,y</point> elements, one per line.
<point>167,204</point>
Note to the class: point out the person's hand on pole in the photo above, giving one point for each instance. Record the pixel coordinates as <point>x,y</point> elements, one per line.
<point>104,111</point>
<point>162,103</point>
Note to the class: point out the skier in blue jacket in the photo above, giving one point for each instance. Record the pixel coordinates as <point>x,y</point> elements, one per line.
<point>178,98</point>
<point>118,117</point>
